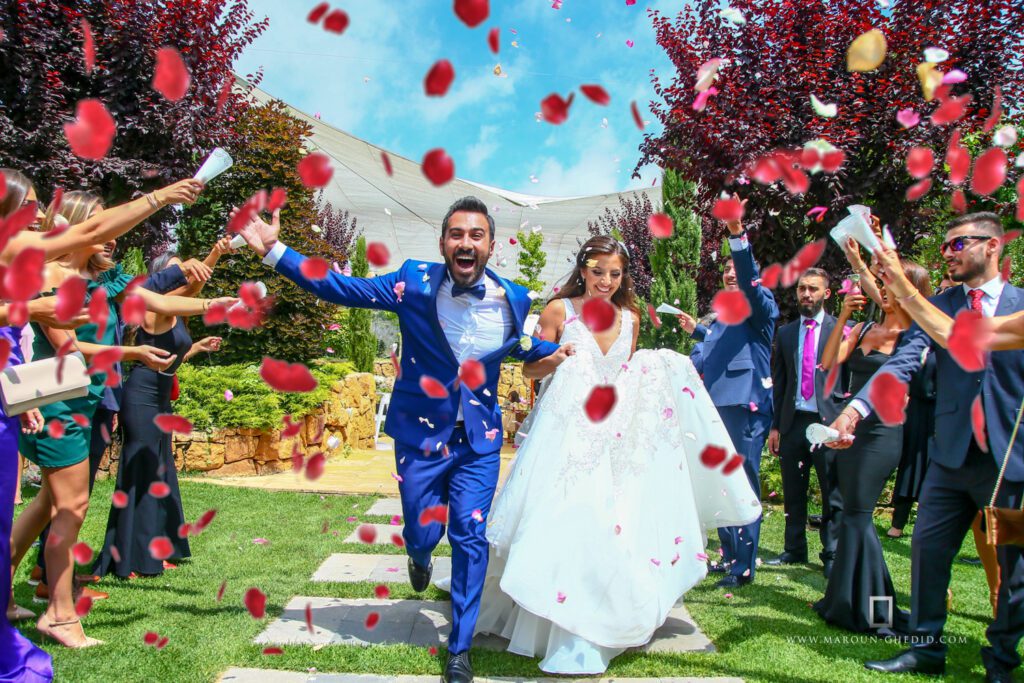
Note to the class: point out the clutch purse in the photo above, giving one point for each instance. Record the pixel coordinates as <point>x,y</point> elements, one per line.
<point>31,385</point>
<point>1005,526</point>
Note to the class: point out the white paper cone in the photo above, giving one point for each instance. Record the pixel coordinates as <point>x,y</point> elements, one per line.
<point>857,227</point>
<point>237,242</point>
<point>818,434</point>
<point>668,308</point>
<point>215,164</point>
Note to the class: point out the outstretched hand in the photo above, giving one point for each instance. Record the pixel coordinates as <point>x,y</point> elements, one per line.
<point>258,234</point>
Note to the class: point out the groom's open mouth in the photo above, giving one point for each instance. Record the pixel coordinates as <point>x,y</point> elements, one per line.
<point>465,263</point>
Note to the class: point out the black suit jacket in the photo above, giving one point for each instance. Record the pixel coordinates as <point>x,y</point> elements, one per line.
<point>786,374</point>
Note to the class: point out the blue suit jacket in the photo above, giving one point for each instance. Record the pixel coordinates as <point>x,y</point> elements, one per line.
<point>1001,385</point>
<point>736,359</point>
<point>414,419</point>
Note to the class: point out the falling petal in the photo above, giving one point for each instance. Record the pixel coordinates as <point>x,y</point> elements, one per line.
<point>438,167</point>
<point>171,77</point>
<point>866,52</point>
<point>731,307</point>
<point>888,396</point>
<point>989,171</point>
<point>908,118</point>
<point>439,78</point>
<point>1005,136</point>
<point>823,110</point>
<point>600,402</point>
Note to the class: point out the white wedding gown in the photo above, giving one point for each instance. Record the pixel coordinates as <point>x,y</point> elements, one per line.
<point>601,528</point>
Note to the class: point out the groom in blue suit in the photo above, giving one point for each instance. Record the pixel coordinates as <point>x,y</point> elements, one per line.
<point>961,474</point>
<point>447,444</point>
<point>735,362</point>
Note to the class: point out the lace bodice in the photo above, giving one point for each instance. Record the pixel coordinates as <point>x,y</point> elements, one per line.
<point>607,365</point>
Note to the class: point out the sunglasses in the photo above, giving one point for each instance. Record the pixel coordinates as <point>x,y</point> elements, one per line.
<point>957,243</point>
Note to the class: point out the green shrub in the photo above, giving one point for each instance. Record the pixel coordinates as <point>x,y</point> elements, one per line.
<point>254,404</point>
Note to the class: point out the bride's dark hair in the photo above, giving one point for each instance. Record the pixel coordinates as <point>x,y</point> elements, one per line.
<point>601,245</point>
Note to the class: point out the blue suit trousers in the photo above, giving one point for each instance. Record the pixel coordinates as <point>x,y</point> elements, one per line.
<point>748,431</point>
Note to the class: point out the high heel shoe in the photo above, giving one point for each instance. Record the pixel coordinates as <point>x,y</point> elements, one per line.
<point>18,613</point>
<point>46,630</point>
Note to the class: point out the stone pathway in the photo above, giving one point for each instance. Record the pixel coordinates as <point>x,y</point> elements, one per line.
<point>384,534</point>
<point>421,623</point>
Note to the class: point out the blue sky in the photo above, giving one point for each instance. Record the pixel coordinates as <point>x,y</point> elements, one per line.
<point>369,82</point>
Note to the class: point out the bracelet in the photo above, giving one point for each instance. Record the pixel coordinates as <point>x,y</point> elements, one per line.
<point>153,201</point>
<point>206,305</point>
<point>908,297</point>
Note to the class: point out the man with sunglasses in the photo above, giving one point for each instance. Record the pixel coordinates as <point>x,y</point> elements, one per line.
<point>962,473</point>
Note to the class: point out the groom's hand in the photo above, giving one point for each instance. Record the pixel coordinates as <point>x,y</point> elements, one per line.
<point>260,235</point>
<point>563,353</point>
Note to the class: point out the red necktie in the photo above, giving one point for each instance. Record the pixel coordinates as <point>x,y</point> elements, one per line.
<point>975,296</point>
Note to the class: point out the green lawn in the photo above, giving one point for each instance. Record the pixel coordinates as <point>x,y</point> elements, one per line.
<point>758,632</point>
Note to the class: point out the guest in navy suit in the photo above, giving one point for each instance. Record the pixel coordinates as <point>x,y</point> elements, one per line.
<point>798,386</point>
<point>962,473</point>
<point>448,443</point>
<point>735,361</point>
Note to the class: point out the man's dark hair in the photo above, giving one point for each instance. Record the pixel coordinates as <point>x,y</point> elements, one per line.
<point>472,205</point>
<point>815,272</point>
<point>986,220</point>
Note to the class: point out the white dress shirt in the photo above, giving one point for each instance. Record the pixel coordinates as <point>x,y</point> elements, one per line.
<point>810,405</point>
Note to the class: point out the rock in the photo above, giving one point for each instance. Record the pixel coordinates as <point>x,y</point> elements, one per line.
<point>234,469</point>
<point>270,467</point>
<point>240,447</point>
<point>204,456</point>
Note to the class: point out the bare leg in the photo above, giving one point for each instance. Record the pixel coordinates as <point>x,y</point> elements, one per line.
<point>17,488</point>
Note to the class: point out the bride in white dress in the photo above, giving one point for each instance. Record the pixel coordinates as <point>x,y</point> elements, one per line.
<point>601,527</point>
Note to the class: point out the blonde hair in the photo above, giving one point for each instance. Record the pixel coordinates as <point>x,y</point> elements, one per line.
<point>76,207</point>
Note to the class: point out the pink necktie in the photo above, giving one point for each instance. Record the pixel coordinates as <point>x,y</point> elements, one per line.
<point>807,362</point>
<point>975,296</point>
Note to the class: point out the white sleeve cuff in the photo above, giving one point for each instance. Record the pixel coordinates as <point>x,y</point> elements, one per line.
<point>739,243</point>
<point>860,407</point>
<point>275,254</point>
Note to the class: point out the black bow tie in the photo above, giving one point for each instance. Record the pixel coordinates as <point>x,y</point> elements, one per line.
<point>476,290</point>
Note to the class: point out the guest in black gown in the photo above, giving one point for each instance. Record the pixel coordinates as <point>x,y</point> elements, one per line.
<point>917,431</point>
<point>859,595</point>
<point>147,457</point>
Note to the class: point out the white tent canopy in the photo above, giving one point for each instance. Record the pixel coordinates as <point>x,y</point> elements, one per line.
<point>404,210</point>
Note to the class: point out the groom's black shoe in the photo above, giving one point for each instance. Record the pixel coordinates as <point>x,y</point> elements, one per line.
<point>909,662</point>
<point>419,576</point>
<point>720,568</point>
<point>733,581</point>
<point>458,669</point>
<point>787,558</point>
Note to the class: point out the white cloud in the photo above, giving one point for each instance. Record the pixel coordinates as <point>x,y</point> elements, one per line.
<point>484,148</point>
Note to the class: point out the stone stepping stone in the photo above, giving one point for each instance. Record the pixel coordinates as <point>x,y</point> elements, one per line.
<point>386,507</point>
<point>424,623</point>
<point>239,675</point>
<point>384,533</point>
<point>354,567</point>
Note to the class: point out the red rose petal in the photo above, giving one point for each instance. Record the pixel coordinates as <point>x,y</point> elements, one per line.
<point>80,420</point>
<point>397,540</point>
<point>91,134</point>
<point>169,423</point>
<point>997,110</point>
<point>969,340</point>
<point>598,315</point>
<point>372,619</point>
<point>439,78</point>
<point>309,617</point>
<point>952,109</point>
<point>438,167</point>
<point>119,499</point>
<point>278,198</point>
<point>55,428</point>
<point>336,22</point>
<point>1005,271</point>
<point>472,12</point>
<point>83,606</point>
<point>554,109</point>
<point>315,466</point>
<point>653,315</point>
<point>377,254</point>
<point>600,402</point>
<point>367,533</point>
<point>220,591</point>
<point>978,424</point>
<point>920,161</point>
<point>958,202</point>
<point>735,462</point>
<point>989,171</point>
<point>660,225</point>
<point>204,520</point>
<point>492,39</point>
<point>133,309</point>
<point>712,456</point>
<point>272,651</point>
<point>596,94</point>
<point>731,307</point>
<point>386,160</point>
<point>637,119</point>
<point>435,514</point>
<point>918,190</point>
<point>160,548</point>
<point>888,396</point>
<point>283,376</point>
<point>256,602</point>
<point>88,50</point>
<point>171,77</point>
<point>770,275</point>
<point>150,638</point>
<point>315,268</point>
<point>831,378</point>
<point>24,277</point>
<point>184,530</point>
<point>290,428</point>
<point>315,169</point>
<point>728,209</point>
<point>317,13</point>
<point>833,161</point>
<point>382,592</point>
<point>473,374</point>
<point>162,643</point>
<point>159,489</point>
<point>82,553</point>
<point>432,387</point>
<point>958,159</point>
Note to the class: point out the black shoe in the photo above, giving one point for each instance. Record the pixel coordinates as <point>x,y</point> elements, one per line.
<point>419,577</point>
<point>814,521</point>
<point>909,662</point>
<point>826,568</point>
<point>787,558</point>
<point>971,560</point>
<point>733,581</point>
<point>997,674</point>
<point>720,568</point>
<point>458,670</point>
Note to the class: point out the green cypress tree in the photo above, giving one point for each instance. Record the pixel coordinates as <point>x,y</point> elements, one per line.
<point>532,260</point>
<point>673,264</point>
<point>361,345</point>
